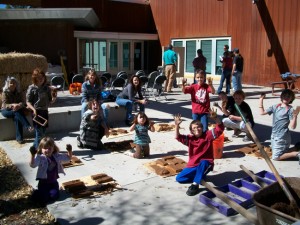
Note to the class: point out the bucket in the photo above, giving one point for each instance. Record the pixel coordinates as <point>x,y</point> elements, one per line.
<point>218,145</point>
<point>272,194</point>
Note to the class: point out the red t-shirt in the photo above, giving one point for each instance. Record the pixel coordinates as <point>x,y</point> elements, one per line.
<point>201,148</point>
<point>200,97</point>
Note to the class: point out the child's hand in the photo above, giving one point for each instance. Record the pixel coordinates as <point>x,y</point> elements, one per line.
<point>151,123</point>
<point>213,113</point>
<point>210,80</point>
<point>184,80</point>
<point>69,147</point>
<point>32,150</point>
<point>262,95</point>
<point>177,119</point>
<point>224,103</point>
<point>94,117</point>
<point>106,132</point>
<point>296,111</point>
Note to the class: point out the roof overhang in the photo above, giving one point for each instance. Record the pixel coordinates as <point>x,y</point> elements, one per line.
<point>114,35</point>
<point>80,17</point>
<point>144,2</point>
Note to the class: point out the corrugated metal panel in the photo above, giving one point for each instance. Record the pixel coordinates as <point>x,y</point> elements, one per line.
<point>241,20</point>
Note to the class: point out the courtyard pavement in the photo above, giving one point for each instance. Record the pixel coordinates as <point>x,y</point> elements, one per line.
<point>146,198</point>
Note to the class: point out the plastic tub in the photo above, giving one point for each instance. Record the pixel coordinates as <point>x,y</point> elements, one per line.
<point>268,196</point>
<point>218,145</point>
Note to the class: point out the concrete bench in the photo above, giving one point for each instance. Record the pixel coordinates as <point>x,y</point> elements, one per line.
<point>287,84</point>
<point>116,114</point>
<point>61,119</point>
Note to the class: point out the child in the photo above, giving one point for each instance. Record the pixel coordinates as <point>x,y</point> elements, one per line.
<point>38,98</point>
<point>141,125</point>
<point>200,149</point>
<point>49,163</point>
<point>200,97</point>
<point>227,103</point>
<point>283,116</point>
<point>92,127</point>
<point>235,121</point>
<point>12,107</point>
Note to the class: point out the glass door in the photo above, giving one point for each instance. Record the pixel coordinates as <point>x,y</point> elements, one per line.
<point>113,58</point>
<point>126,56</point>
<point>137,56</point>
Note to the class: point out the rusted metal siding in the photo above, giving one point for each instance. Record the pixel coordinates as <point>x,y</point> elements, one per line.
<point>265,50</point>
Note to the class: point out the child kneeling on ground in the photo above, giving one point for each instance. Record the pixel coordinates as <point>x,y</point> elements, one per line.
<point>49,162</point>
<point>92,127</point>
<point>141,125</point>
<point>200,150</point>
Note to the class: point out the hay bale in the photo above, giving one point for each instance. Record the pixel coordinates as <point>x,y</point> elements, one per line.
<point>14,62</point>
<point>20,66</point>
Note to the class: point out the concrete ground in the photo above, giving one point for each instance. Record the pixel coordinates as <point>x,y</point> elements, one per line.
<point>147,198</point>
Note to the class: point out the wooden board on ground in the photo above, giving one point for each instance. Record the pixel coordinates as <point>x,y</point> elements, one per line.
<point>252,150</point>
<point>118,132</point>
<point>119,146</point>
<point>164,127</point>
<point>166,166</point>
<point>98,184</point>
<point>73,162</point>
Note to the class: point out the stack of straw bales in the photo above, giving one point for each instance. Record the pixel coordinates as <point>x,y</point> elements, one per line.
<point>20,65</point>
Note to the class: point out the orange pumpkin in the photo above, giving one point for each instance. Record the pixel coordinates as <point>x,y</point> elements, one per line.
<point>75,88</point>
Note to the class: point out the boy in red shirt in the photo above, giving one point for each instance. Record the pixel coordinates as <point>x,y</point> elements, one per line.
<point>200,97</point>
<point>200,149</point>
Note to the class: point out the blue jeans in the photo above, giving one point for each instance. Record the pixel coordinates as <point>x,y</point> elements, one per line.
<point>194,174</point>
<point>19,119</point>
<point>128,104</point>
<point>40,132</point>
<point>226,74</point>
<point>237,81</point>
<point>203,119</point>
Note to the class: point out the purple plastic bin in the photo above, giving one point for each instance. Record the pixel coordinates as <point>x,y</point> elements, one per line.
<point>240,191</point>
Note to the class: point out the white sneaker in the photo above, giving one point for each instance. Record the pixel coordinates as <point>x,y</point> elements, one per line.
<point>129,152</point>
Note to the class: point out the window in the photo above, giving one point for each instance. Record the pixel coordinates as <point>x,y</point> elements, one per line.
<point>190,55</point>
<point>93,54</point>
<point>212,48</point>
<point>113,57</point>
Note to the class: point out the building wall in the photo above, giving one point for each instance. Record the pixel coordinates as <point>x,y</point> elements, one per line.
<point>46,38</point>
<point>113,16</point>
<point>264,32</point>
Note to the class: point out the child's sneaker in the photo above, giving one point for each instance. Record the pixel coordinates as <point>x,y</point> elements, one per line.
<point>129,152</point>
<point>247,138</point>
<point>236,133</point>
<point>193,190</point>
<point>79,144</point>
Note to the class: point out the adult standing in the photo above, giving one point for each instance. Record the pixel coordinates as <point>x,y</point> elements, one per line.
<point>199,63</point>
<point>227,62</point>
<point>128,97</point>
<point>170,61</point>
<point>237,70</point>
<point>226,69</point>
